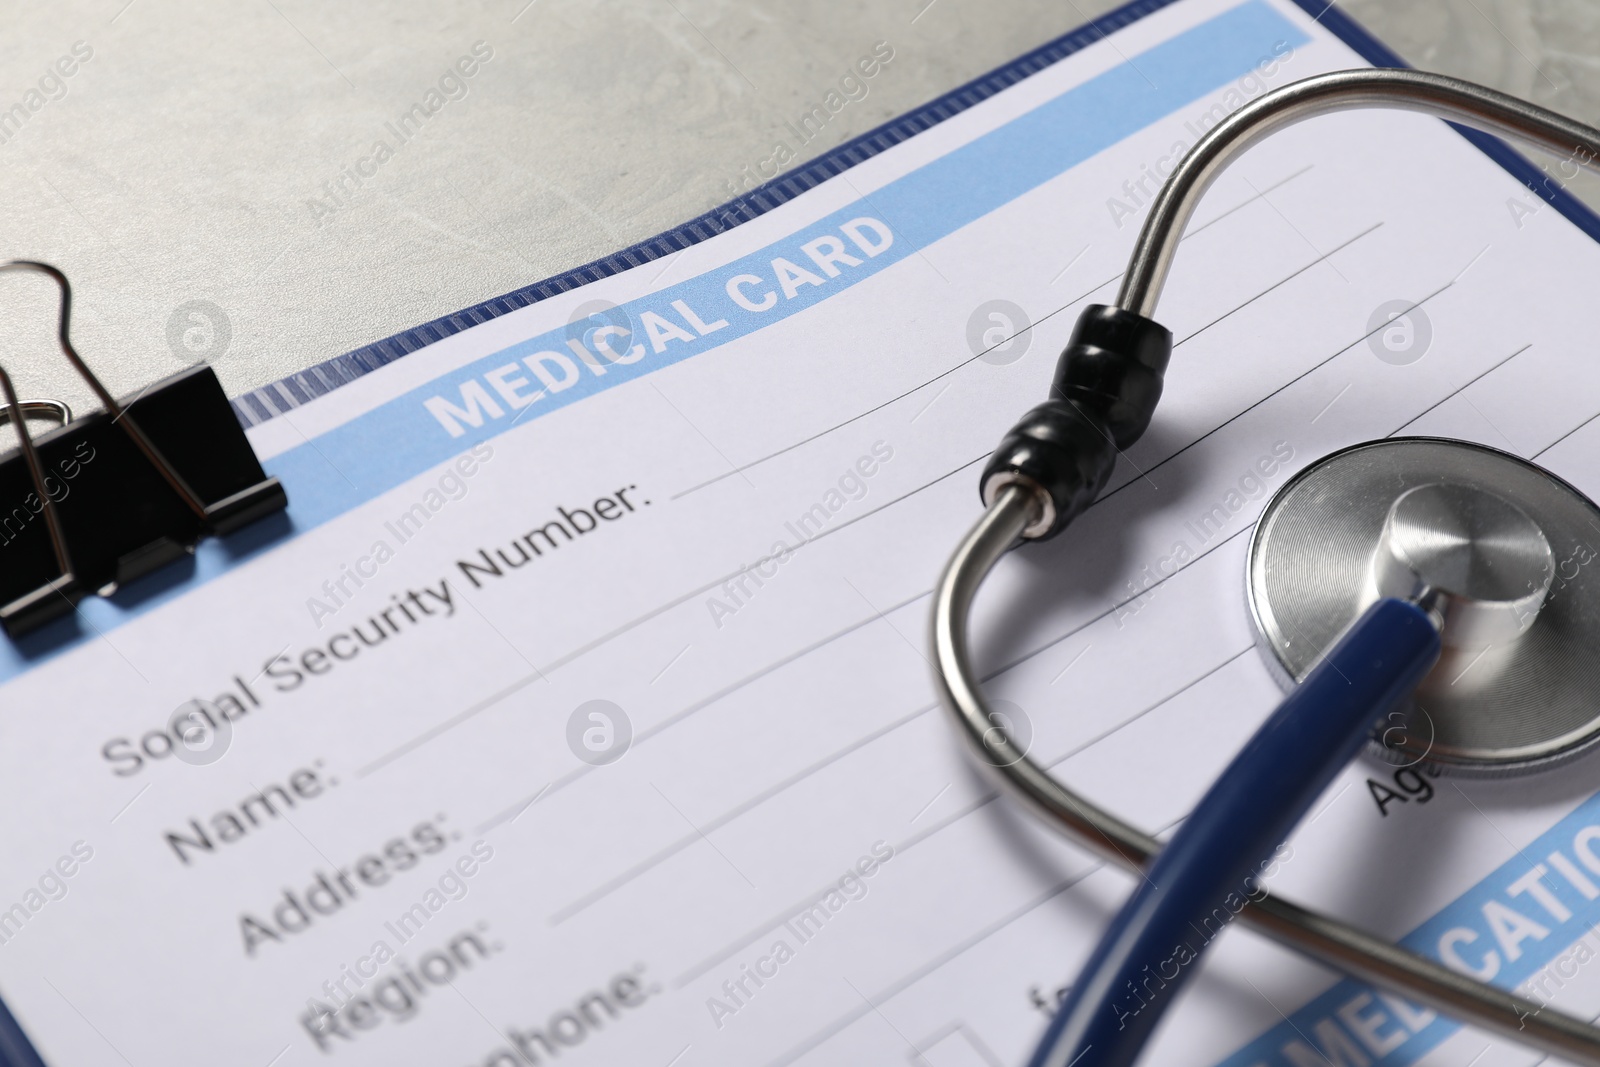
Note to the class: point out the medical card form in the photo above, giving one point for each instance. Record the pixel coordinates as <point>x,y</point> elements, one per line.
<point>580,713</point>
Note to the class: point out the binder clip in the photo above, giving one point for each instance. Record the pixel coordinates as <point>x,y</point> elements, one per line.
<point>99,501</point>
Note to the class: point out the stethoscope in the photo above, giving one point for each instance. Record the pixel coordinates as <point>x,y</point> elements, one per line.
<point>1375,576</point>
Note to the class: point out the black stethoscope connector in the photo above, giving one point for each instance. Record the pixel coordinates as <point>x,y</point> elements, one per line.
<point>1104,394</point>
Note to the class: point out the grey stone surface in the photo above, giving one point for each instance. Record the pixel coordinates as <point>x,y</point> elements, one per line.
<point>1547,51</point>
<point>202,169</point>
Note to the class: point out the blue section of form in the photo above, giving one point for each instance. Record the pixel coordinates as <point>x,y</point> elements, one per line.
<point>1533,911</point>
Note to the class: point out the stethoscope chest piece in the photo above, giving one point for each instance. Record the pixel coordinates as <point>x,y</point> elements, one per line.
<point>1503,552</point>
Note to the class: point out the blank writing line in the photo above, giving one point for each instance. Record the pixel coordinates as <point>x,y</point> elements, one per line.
<point>905,982</point>
<point>1282,388</point>
<point>983,801</point>
<point>585,649</point>
<point>960,948</point>
<point>1564,436</point>
<point>672,849</point>
<point>918,388</point>
<point>1323,257</point>
<point>646,735</point>
<point>1457,392</point>
<point>596,895</point>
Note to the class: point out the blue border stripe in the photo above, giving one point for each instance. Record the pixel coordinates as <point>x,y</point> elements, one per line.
<point>1521,167</point>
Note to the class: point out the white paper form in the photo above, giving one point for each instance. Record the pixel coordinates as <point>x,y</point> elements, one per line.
<point>586,717</point>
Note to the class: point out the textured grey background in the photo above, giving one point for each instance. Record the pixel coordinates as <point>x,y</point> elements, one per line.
<point>182,162</point>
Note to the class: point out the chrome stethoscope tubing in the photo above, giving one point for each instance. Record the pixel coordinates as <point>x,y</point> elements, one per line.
<point>1344,90</point>
<point>1022,506</point>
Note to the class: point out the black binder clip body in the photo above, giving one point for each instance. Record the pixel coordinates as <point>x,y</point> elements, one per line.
<point>99,501</point>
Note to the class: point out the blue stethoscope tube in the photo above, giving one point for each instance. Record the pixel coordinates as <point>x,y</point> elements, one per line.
<point>1203,876</point>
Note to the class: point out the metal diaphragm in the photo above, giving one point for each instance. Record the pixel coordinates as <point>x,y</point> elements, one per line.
<point>1514,552</point>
